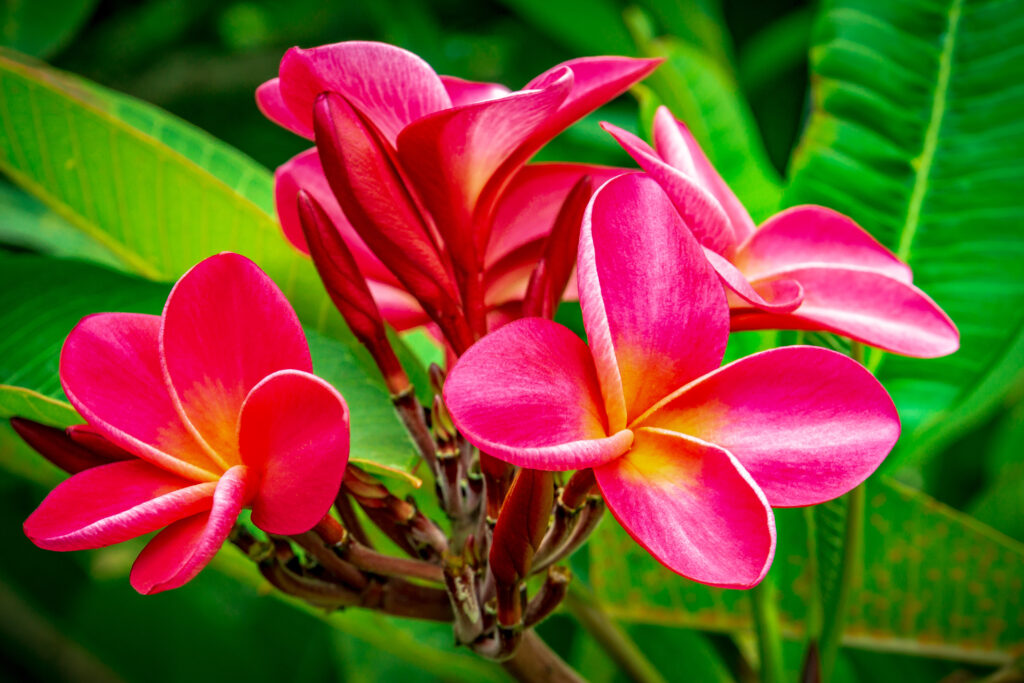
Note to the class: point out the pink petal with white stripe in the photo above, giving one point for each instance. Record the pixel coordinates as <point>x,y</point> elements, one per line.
<point>863,305</point>
<point>680,149</point>
<point>111,360</point>
<point>179,552</point>
<point>528,394</point>
<point>815,235</point>
<point>700,210</point>
<point>470,92</point>
<point>808,424</point>
<point>654,310</point>
<point>294,431</point>
<point>225,327</point>
<point>693,507</point>
<point>391,86</point>
<point>778,295</point>
<point>112,503</point>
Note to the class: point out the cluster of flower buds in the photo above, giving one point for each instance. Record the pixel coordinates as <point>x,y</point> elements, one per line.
<point>417,207</point>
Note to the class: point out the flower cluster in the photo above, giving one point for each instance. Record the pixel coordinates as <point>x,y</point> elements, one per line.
<point>418,207</point>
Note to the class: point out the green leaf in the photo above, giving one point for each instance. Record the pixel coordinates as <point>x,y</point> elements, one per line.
<point>27,223</point>
<point>41,300</point>
<point>158,193</point>
<point>704,94</point>
<point>41,28</point>
<point>915,133</point>
<point>590,27</point>
<point>935,582</point>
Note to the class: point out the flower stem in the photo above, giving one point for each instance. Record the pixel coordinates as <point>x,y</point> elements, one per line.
<point>535,662</point>
<point>583,605</point>
<point>769,634</point>
<point>853,536</point>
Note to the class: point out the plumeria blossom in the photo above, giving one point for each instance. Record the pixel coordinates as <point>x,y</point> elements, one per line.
<point>214,408</point>
<point>420,163</point>
<point>807,267</point>
<point>689,457</point>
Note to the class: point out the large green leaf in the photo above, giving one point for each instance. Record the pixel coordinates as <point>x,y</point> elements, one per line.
<point>157,192</point>
<point>42,298</point>
<point>916,132</point>
<point>935,582</point>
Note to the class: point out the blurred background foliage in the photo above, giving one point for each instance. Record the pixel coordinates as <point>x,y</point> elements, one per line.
<point>737,72</point>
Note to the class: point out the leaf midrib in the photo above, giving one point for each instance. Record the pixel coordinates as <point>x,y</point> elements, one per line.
<point>931,137</point>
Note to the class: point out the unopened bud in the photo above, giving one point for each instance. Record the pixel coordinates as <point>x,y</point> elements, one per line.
<point>56,446</point>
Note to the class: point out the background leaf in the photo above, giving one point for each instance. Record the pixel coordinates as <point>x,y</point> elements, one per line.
<point>915,132</point>
<point>41,28</point>
<point>935,582</point>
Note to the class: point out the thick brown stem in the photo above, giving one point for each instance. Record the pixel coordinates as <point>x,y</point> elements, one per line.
<point>411,412</point>
<point>535,662</point>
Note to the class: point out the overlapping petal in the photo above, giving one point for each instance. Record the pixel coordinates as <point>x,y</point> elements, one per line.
<point>453,154</point>
<point>271,102</point>
<point>112,503</point>
<point>111,360</point>
<point>807,423</point>
<point>654,311</point>
<point>779,295</point>
<point>596,81</point>
<point>215,349</point>
<point>532,201</point>
<point>693,507</point>
<point>294,429</point>
<point>866,306</point>
<point>391,86</point>
<point>679,149</point>
<point>373,196</point>
<point>814,236</point>
<point>529,395</point>
<point>304,172</point>
<point>463,92</point>
<point>701,212</point>
<point>180,551</point>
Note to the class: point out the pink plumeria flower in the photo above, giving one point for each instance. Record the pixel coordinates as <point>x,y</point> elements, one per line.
<point>523,219</point>
<point>806,268</point>
<point>216,402</point>
<point>689,457</point>
<point>419,162</point>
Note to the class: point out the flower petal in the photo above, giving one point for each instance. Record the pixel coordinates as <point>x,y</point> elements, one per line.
<point>654,311</point>
<point>294,432</point>
<point>701,212</point>
<point>272,104</point>
<point>225,327</point>
<point>693,507</point>
<point>814,235</point>
<point>372,193</point>
<point>778,296</point>
<point>863,305</point>
<point>677,146</point>
<point>112,503</point>
<point>179,552</point>
<point>596,81</point>
<point>528,394</point>
<point>304,172</point>
<point>531,202</point>
<point>470,92</point>
<point>807,423</point>
<point>452,155</point>
<point>111,360</point>
<point>391,86</point>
